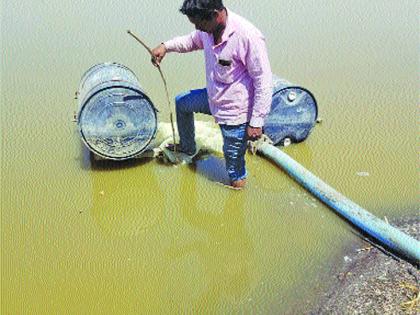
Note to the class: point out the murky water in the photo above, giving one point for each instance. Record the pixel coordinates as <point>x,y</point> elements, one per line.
<point>142,237</point>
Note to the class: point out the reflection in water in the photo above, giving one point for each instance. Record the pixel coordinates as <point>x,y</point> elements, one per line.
<point>120,206</point>
<point>224,254</point>
<point>213,168</point>
<point>91,262</point>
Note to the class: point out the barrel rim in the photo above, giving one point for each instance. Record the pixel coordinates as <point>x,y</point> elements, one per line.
<point>113,157</point>
<point>102,64</point>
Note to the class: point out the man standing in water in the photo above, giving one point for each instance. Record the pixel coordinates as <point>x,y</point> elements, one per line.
<point>239,81</point>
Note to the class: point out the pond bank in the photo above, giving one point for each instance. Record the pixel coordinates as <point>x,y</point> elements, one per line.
<point>368,281</point>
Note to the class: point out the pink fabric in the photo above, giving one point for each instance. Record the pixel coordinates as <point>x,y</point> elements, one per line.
<point>242,91</point>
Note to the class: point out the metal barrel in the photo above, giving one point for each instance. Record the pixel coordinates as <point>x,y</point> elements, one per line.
<point>293,112</point>
<point>116,119</point>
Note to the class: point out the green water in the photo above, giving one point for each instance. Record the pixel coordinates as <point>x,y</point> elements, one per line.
<point>83,238</point>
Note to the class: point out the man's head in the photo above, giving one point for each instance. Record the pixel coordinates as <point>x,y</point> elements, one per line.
<point>206,15</point>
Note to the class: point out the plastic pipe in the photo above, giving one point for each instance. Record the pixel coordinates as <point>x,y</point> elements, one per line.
<point>387,235</point>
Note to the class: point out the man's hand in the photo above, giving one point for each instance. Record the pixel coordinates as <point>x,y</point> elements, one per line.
<point>254,133</point>
<point>158,53</point>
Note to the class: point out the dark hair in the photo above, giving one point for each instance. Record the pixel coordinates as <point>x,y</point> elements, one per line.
<point>202,9</point>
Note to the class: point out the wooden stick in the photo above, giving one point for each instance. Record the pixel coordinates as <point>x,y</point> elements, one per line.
<point>164,83</point>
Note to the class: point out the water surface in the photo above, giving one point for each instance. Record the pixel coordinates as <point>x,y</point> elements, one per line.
<point>143,237</point>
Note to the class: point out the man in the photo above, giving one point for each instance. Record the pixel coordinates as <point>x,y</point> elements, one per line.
<point>239,80</point>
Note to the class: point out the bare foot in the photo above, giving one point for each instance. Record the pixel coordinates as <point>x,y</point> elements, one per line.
<point>239,184</point>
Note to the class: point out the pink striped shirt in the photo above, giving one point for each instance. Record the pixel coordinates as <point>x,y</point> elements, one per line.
<point>238,73</point>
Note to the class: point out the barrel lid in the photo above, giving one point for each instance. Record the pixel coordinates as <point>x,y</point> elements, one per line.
<point>293,114</point>
<point>118,122</point>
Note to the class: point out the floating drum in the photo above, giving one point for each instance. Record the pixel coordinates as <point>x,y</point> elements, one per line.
<point>116,119</point>
<point>293,113</point>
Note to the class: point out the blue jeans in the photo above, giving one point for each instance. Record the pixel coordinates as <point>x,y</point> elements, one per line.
<point>234,137</point>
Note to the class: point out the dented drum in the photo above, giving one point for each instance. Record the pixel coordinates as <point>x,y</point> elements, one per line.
<point>116,119</point>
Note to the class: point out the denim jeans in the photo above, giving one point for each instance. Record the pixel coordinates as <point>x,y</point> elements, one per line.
<point>234,137</point>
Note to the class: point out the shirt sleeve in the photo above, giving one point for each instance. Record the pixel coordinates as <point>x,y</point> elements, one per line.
<point>258,66</point>
<point>184,44</point>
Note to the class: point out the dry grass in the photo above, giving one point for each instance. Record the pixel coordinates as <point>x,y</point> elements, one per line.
<point>413,296</point>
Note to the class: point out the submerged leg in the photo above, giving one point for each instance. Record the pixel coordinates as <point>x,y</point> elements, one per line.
<point>234,149</point>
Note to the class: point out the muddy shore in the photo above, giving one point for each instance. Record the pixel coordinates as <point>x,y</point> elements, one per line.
<point>368,281</point>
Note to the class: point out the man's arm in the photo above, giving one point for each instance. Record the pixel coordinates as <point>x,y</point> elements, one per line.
<point>259,69</point>
<point>184,44</point>
<point>180,44</point>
